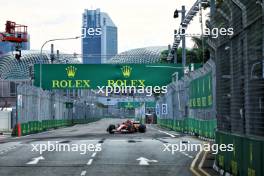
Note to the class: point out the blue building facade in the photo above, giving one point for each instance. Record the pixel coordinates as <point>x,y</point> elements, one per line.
<point>99,37</point>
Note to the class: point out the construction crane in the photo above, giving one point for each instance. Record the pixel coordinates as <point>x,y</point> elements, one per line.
<point>15,33</point>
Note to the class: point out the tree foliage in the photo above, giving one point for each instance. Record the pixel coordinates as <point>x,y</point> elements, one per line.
<point>193,55</point>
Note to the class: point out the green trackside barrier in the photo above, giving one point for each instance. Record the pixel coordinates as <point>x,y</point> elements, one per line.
<point>211,128</point>
<point>167,123</point>
<point>24,129</point>
<point>224,158</point>
<point>170,123</point>
<point>247,159</point>
<point>35,126</point>
<point>63,123</point>
<point>58,123</point>
<point>236,161</point>
<point>55,124</point>
<point>31,126</point>
<point>52,123</point>
<point>175,125</point>
<point>205,128</point>
<point>39,126</point>
<point>28,128</point>
<point>197,126</point>
<point>262,156</point>
<point>220,159</point>
<point>43,125</point>
<point>178,125</point>
<point>48,126</point>
<point>182,124</point>
<point>163,122</point>
<point>192,125</point>
<point>253,157</point>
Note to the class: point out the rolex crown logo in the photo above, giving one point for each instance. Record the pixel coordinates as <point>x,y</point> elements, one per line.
<point>126,70</point>
<point>71,71</point>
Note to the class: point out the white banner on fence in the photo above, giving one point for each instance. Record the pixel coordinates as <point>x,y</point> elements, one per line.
<point>164,109</point>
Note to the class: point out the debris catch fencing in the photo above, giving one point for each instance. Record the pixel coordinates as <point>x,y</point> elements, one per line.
<point>39,110</point>
<point>240,85</point>
<point>189,104</point>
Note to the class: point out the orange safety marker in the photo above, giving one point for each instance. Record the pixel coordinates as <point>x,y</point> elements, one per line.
<point>18,129</point>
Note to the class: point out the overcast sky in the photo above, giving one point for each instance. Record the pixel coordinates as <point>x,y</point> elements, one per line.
<point>140,23</point>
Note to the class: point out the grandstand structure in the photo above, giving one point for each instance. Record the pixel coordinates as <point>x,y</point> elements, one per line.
<point>14,72</point>
<point>13,69</point>
<point>147,55</point>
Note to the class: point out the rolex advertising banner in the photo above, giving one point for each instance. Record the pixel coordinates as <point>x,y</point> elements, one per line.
<point>133,105</point>
<point>129,105</point>
<point>90,76</point>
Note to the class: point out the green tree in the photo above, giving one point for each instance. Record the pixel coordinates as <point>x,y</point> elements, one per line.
<point>201,48</point>
<point>198,54</point>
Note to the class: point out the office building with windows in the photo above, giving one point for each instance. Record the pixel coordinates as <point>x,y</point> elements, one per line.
<point>99,37</point>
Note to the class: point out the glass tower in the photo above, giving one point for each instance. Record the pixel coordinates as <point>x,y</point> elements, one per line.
<point>99,42</point>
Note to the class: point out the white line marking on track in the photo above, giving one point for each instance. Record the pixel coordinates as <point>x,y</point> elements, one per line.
<point>83,173</point>
<point>93,155</point>
<point>36,160</point>
<point>186,154</point>
<point>171,135</point>
<point>90,162</point>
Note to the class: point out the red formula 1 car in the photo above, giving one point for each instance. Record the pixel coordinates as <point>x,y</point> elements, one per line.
<point>128,126</point>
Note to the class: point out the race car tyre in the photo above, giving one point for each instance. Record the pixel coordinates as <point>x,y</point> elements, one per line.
<point>111,128</point>
<point>142,128</point>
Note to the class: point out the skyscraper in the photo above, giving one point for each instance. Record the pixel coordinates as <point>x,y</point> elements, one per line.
<point>99,37</point>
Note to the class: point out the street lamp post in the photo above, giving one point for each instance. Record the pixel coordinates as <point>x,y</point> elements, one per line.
<point>176,15</point>
<point>41,54</point>
<point>40,69</point>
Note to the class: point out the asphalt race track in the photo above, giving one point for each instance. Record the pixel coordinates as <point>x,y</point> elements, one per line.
<point>121,154</point>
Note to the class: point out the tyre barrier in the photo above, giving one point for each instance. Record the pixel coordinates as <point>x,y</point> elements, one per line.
<point>247,158</point>
<point>32,127</point>
<point>198,127</point>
